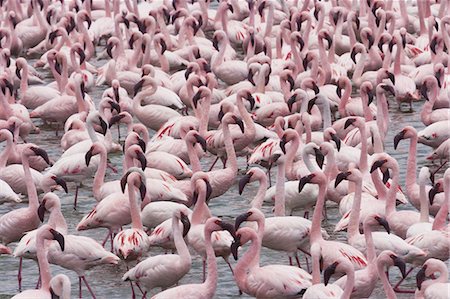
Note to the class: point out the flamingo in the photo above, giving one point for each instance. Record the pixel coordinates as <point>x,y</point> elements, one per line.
<point>435,288</point>
<point>208,287</point>
<point>45,233</point>
<point>268,281</point>
<point>165,270</point>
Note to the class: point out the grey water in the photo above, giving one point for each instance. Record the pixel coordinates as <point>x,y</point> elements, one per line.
<point>106,280</point>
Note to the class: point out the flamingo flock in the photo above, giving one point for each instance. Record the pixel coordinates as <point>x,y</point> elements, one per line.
<point>154,116</point>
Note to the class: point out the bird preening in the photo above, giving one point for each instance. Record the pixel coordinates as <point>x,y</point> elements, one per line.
<point>303,142</point>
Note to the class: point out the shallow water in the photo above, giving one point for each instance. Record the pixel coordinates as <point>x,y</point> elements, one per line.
<point>106,281</point>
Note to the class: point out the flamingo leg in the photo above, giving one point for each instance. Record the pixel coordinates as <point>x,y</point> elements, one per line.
<point>224,161</point>
<point>80,291</point>
<point>133,295</point>
<point>298,261</point>
<point>38,284</point>
<point>140,289</point>
<point>268,173</point>
<point>214,163</point>
<point>76,198</point>
<point>290,261</point>
<point>204,270</point>
<point>19,275</point>
<point>144,296</point>
<point>106,239</point>
<point>306,215</point>
<point>118,131</point>
<point>88,286</point>
<point>396,287</point>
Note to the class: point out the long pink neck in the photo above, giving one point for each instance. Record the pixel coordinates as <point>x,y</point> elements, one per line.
<point>326,65</point>
<point>331,169</point>
<point>290,156</point>
<point>33,202</point>
<point>201,210</point>
<point>390,201</point>
<point>412,166</point>
<point>44,267</point>
<point>193,158</point>
<point>348,289</point>
<point>179,242</point>
<point>204,115</point>
<point>397,62</point>
<point>440,219</point>
<point>211,278</point>
<point>6,151</point>
<point>247,260</point>
<point>219,59</point>
<point>250,129</point>
<point>231,154</point>
<point>353,224</point>
<point>280,209</point>
<point>344,99</point>
<point>378,184</point>
<point>370,252</point>
<point>269,22</point>
<point>56,220</point>
<point>136,222</point>
<point>359,68</point>
<point>259,197</point>
<point>424,208</point>
<point>390,294</point>
<point>316,234</point>
<point>363,157</point>
<point>99,178</point>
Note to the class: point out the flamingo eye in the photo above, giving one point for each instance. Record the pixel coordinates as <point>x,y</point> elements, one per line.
<point>217,222</point>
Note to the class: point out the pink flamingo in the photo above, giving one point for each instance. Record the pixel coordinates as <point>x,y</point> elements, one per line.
<point>165,270</point>
<point>131,243</point>
<point>45,232</point>
<point>412,188</point>
<point>435,288</point>
<point>331,250</point>
<point>16,222</point>
<point>268,281</point>
<point>208,287</point>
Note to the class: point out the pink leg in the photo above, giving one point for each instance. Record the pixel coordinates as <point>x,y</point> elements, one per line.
<point>298,262</point>
<point>204,270</point>
<point>214,163</point>
<point>140,289</point>
<point>88,286</point>
<point>397,286</point>
<point>133,295</point>
<point>306,215</point>
<point>38,284</point>
<point>106,239</point>
<point>144,296</point>
<point>19,275</point>
<point>76,198</point>
<point>80,291</point>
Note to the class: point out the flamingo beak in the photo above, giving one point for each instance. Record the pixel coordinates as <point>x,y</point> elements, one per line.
<point>383,222</point>
<point>142,190</point>
<point>142,159</point>
<point>424,92</point>
<point>186,224</point>
<point>138,87</point>
<point>311,103</point>
<point>283,144</point>
<point>320,158</point>
<point>386,176</point>
<point>104,126</point>
<point>432,193</point>
<point>240,123</point>
<point>328,272</point>
<point>303,181</point>
<point>201,141</point>
<point>235,246</point>
<point>123,181</point>
<point>40,152</point>
<point>377,164</point>
<point>420,277</point>
<point>61,183</point>
<point>291,102</point>
<point>58,237</point>
<point>142,144</point>
<point>115,119</point>
<point>349,122</point>
<point>228,227</point>
<point>18,69</point>
<point>114,106</point>
<point>336,139</point>
<point>88,156</point>
<point>398,137</point>
<point>241,218</point>
<point>400,263</point>
<point>196,98</point>
<point>251,100</point>
<point>244,181</point>
<point>41,211</point>
<point>340,177</point>
<point>208,190</point>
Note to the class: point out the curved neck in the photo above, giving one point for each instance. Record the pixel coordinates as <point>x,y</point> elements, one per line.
<point>412,166</point>
<point>204,115</point>
<point>247,260</point>
<point>424,208</point>
<point>193,158</point>
<point>179,242</point>
<point>350,282</point>
<point>390,294</point>
<point>219,57</point>
<point>259,197</point>
<point>31,188</point>
<point>211,278</point>
<point>317,216</point>
<point>44,267</point>
<point>231,154</point>
<point>279,195</point>
<point>359,68</point>
<point>326,112</point>
<point>390,201</point>
<point>136,222</point>
<point>99,178</point>
<point>290,155</point>
<point>250,129</point>
<point>370,252</point>
<point>344,99</point>
<point>353,223</point>
<point>6,152</point>
<point>56,220</point>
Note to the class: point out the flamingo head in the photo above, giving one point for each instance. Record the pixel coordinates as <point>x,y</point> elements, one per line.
<point>60,182</point>
<point>58,237</point>
<point>383,222</point>
<point>421,276</point>
<point>433,191</point>
<point>37,151</point>
<point>378,164</point>
<point>317,177</point>
<point>186,223</point>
